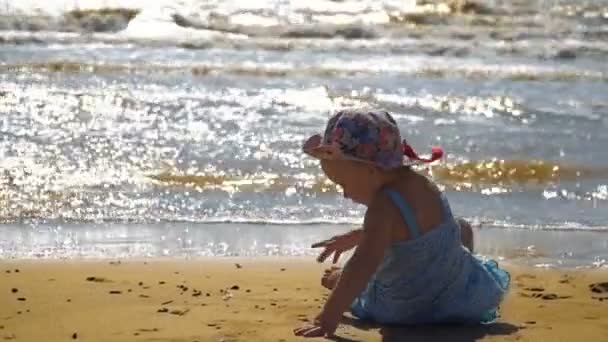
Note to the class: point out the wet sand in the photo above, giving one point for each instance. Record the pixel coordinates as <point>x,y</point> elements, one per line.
<point>259,299</point>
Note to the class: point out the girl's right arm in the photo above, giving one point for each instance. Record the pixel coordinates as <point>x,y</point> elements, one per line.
<point>338,244</point>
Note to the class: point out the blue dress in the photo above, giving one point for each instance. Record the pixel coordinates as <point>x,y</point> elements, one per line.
<point>431,278</point>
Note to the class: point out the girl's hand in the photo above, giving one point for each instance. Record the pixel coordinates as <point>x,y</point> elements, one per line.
<point>319,328</point>
<point>338,244</point>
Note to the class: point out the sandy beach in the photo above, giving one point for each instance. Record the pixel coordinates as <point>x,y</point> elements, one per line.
<point>259,299</point>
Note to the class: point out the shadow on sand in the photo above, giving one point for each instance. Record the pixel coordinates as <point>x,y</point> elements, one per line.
<point>433,333</point>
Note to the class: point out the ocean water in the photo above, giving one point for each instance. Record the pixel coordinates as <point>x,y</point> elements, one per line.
<point>139,128</point>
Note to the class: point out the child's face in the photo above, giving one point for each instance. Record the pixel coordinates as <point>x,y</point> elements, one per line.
<point>356,179</point>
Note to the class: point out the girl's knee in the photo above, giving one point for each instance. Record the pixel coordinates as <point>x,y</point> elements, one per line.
<point>466,233</point>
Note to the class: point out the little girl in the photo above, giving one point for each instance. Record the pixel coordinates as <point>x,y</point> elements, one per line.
<point>413,261</point>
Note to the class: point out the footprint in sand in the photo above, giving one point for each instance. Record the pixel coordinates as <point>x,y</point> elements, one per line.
<point>539,293</point>
<point>534,289</point>
<point>599,287</point>
<point>98,279</point>
<point>173,312</point>
<point>550,296</point>
<point>565,279</point>
<point>145,330</point>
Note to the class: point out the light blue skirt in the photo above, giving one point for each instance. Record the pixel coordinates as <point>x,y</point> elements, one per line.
<point>474,299</point>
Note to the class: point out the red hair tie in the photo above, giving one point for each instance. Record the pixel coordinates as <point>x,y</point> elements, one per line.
<point>436,153</point>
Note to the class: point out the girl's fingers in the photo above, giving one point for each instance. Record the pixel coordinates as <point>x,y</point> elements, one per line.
<point>323,243</point>
<point>300,330</point>
<point>336,256</point>
<point>319,244</point>
<point>314,332</point>
<point>326,253</point>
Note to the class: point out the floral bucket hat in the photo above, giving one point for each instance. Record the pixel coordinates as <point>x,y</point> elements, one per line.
<point>371,137</point>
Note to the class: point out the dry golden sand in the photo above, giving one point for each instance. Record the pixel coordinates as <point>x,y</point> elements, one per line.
<point>259,299</point>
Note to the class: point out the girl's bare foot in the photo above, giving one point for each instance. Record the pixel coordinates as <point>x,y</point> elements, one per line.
<point>330,277</point>
<point>466,233</point>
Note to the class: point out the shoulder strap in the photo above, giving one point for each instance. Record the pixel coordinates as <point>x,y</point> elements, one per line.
<point>406,211</point>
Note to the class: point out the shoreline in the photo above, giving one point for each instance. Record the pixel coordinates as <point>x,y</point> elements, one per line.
<point>543,248</point>
<point>259,299</point>
<point>265,259</point>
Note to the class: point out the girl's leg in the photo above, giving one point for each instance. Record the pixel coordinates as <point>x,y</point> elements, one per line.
<point>466,233</point>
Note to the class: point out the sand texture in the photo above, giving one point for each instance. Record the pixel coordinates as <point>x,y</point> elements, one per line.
<point>259,299</point>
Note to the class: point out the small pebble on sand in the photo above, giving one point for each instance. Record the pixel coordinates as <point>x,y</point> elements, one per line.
<point>14,290</point>
<point>74,336</point>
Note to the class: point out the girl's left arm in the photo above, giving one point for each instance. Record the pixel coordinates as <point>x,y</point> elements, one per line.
<point>357,272</point>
